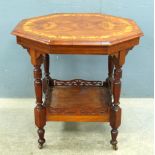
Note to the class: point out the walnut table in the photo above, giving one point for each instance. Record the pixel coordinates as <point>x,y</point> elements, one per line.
<point>77,100</point>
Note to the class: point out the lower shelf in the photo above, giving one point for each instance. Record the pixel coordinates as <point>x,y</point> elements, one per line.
<point>79,104</point>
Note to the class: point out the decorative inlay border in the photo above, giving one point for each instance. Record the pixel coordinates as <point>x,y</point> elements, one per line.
<point>30,26</point>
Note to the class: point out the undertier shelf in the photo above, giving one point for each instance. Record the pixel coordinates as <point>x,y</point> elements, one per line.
<point>83,103</point>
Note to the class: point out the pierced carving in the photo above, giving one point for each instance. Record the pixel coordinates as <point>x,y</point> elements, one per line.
<point>77,82</point>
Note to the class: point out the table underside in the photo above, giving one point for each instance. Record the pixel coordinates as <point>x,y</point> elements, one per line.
<point>77,100</point>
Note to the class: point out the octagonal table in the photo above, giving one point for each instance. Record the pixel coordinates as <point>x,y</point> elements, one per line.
<point>82,33</point>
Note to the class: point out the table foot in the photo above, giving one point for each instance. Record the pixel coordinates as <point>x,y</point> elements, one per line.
<point>113,142</point>
<point>115,147</point>
<point>40,146</point>
<point>41,139</point>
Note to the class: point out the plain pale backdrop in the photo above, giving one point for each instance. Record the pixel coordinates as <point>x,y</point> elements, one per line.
<point>16,71</point>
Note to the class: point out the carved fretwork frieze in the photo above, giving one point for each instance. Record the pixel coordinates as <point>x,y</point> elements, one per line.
<point>77,82</point>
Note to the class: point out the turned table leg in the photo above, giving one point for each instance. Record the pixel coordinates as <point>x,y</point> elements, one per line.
<point>110,67</point>
<point>39,111</point>
<point>109,80</point>
<point>47,79</point>
<point>115,113</point>
<point>110,72</point>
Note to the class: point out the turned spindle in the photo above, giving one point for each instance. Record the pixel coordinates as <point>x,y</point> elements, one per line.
<point>47,81</point>
<point>40,111</point>
<point>115,113</point>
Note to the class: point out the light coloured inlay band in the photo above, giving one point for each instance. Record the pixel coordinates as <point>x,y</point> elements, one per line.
<point>29,26</point>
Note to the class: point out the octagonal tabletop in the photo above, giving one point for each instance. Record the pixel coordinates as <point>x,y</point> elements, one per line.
<point>78,29</point>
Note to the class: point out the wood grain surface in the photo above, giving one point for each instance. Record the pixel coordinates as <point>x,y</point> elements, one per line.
<point>71,100</point>
<point>78,29</point>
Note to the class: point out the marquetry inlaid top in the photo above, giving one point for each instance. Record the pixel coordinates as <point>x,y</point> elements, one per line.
<point>78,29</point>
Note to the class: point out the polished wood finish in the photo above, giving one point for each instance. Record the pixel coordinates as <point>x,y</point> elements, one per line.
<point>109,81</point>
<point>78,100</point>
<point>70,100</point>
<point>56,29</point>
<point>47,79</point>
<point>39,111</point>
<point>83,50</point>
<point>78,118</point>
<point>115,115</point>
